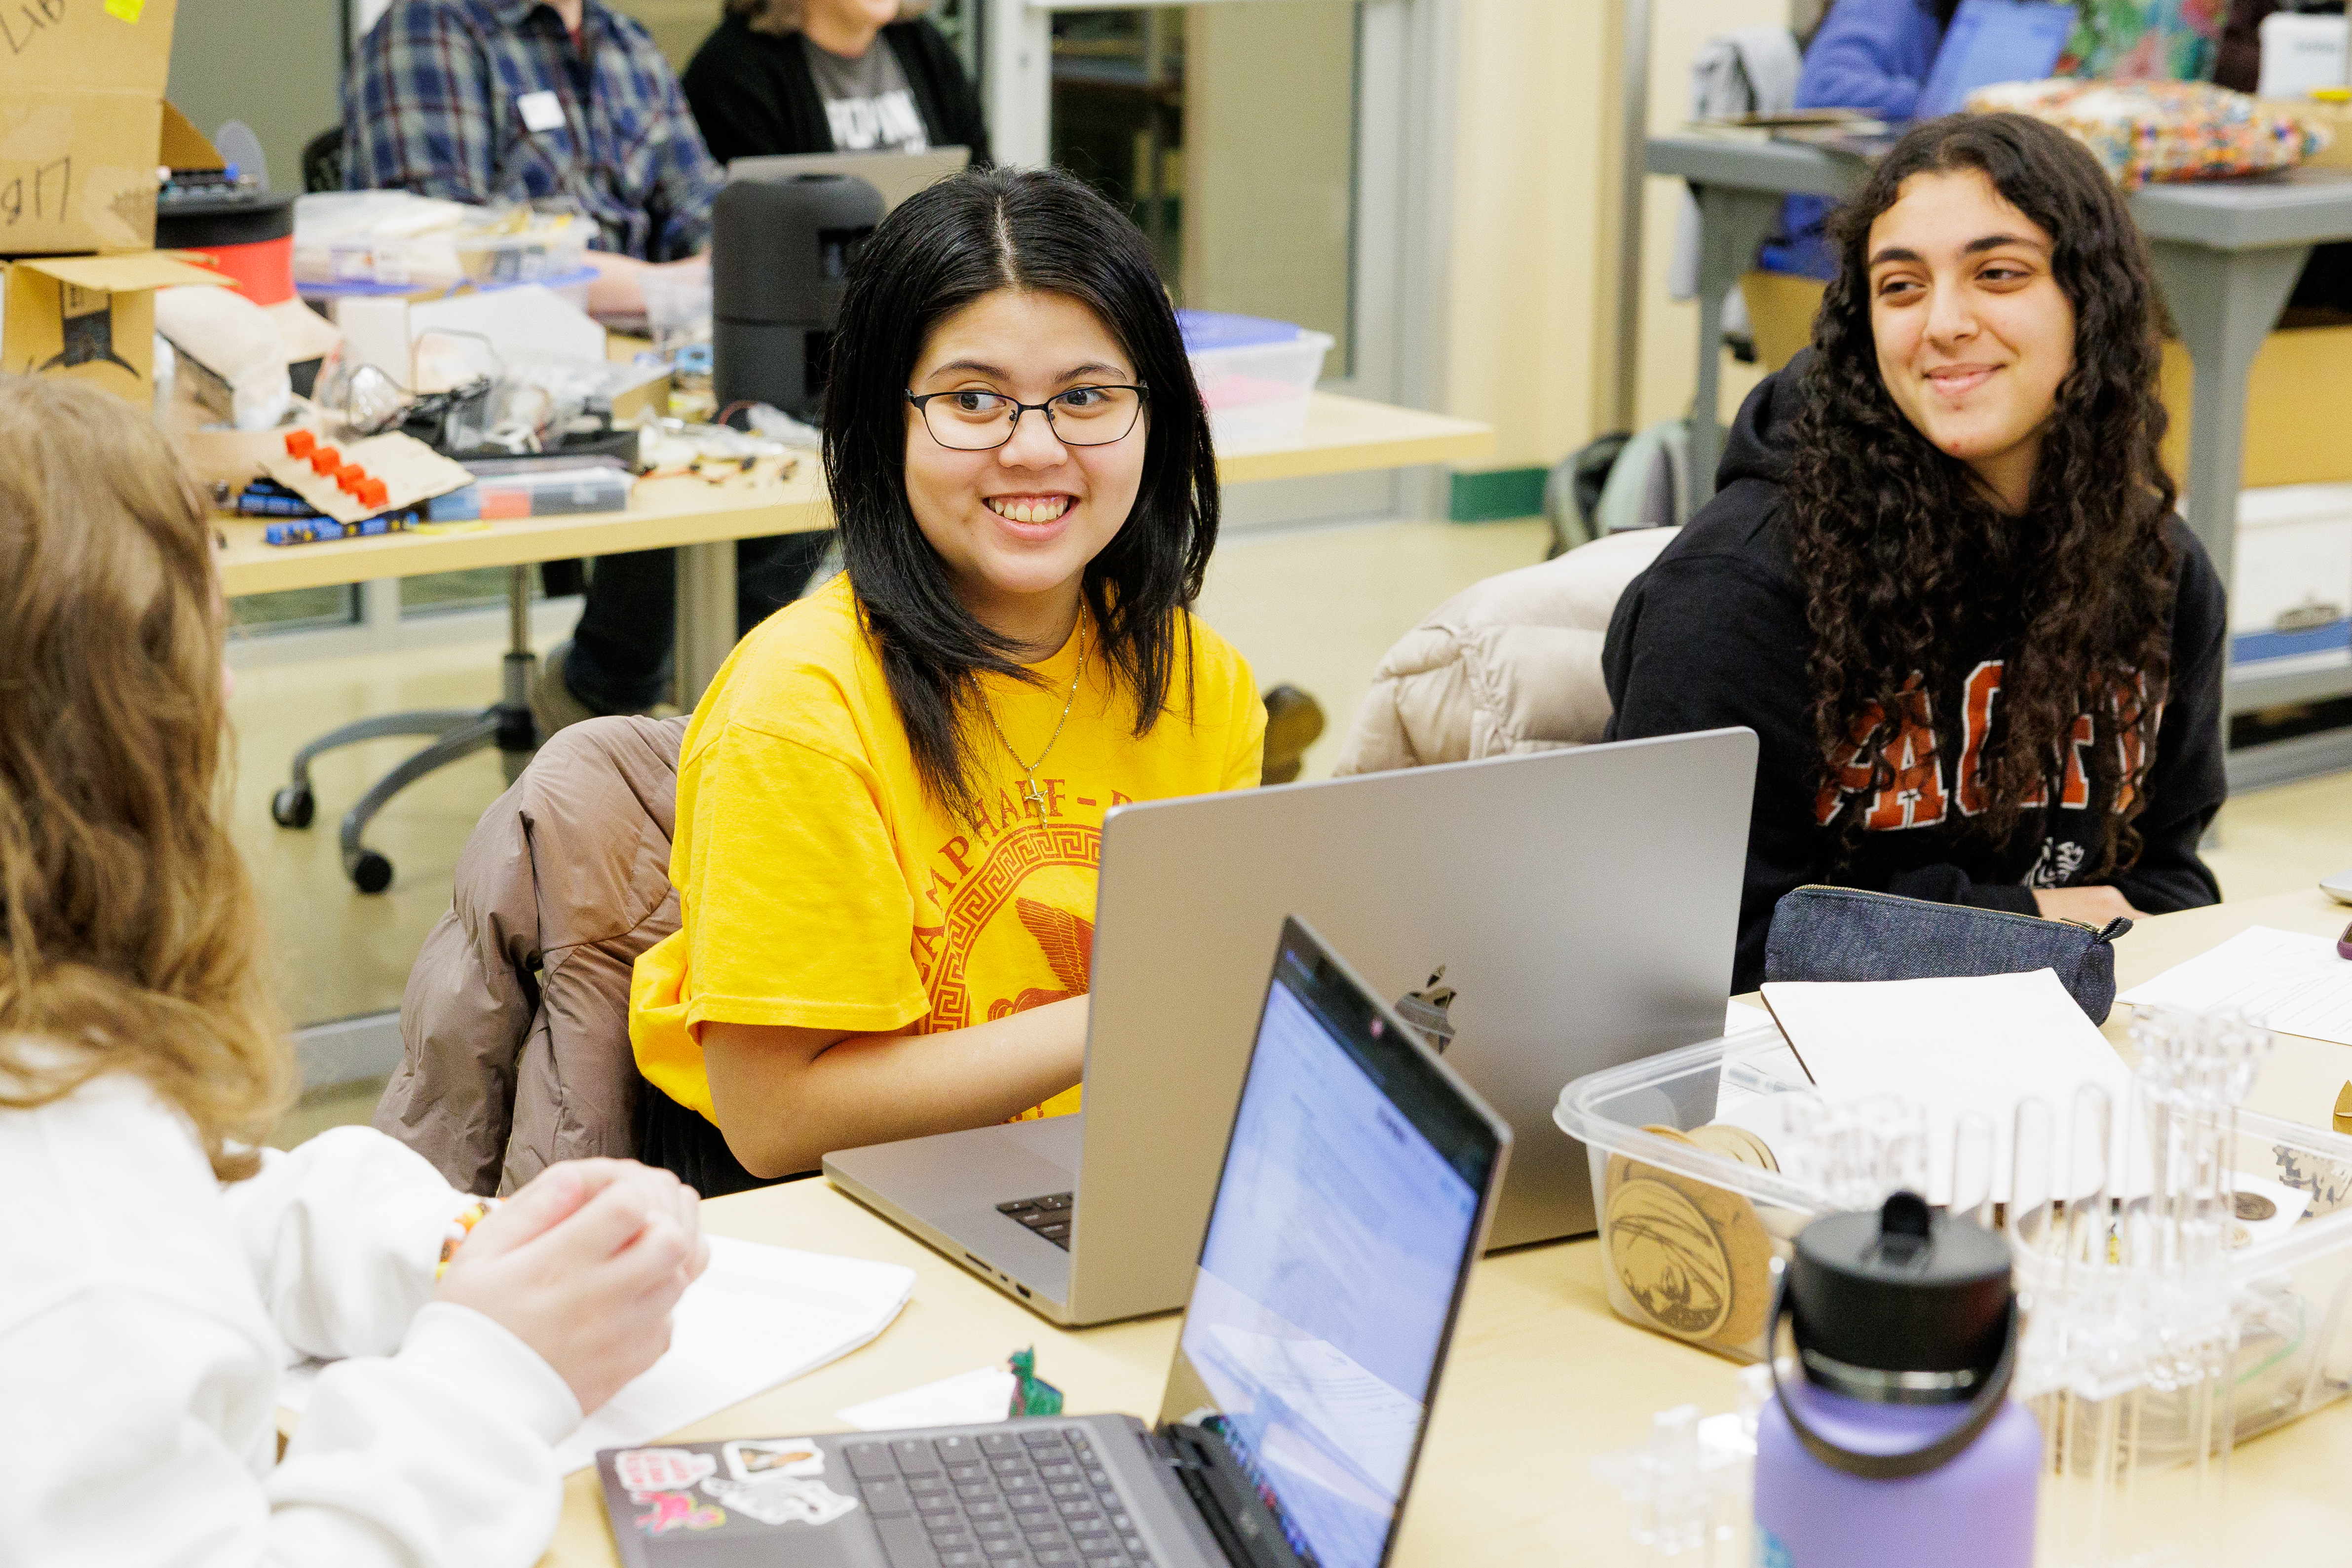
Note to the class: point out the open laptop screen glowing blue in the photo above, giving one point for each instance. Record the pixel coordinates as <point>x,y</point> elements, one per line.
<point>1994,41</point>
<point>1327,1280</point>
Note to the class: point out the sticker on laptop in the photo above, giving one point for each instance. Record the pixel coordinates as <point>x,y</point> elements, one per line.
<point>756,1461</point>
<point>668,1510</point>
<point>780,1499</point>
<point>648,1470</point>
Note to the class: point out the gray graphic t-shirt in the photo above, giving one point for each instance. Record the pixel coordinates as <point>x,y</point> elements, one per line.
<point>866,102</point>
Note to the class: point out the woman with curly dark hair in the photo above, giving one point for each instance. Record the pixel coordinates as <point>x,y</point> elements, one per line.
<point>1942,579</point>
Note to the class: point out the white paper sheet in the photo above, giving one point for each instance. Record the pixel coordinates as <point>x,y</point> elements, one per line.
<point>759,1316</point>
<point>967,1399</point>
<point>1953,1045</point>
<point>2296,983</point>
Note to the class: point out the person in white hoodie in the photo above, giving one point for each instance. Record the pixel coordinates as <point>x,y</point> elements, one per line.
<point>158,1269</point>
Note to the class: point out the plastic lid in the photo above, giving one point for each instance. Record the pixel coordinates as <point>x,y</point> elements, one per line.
<point>1901,1291</point>
<point>1207,330</point>
<point>583,273</point>
<point>194,222</point>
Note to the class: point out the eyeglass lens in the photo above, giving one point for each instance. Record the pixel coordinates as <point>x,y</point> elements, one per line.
<point>1082,416</point>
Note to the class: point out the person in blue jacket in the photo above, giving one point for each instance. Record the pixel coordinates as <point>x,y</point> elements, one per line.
<point>1871,55</point>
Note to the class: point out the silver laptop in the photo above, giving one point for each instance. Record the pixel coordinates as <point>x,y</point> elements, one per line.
<point>1355,1187</point>
<point>1583,904</point>
<point>897,175</point>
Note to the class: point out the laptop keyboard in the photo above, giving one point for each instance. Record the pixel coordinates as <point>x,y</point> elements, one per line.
<point>995,1499</point>
<point>1049,1216</point>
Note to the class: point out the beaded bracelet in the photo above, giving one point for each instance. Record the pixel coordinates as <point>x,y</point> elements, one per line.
<point>460,1223</point>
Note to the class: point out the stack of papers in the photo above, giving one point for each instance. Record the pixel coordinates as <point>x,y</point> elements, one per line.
<point>1982,1044</point>
<point>759,1316</point>
<point>2295,984</point>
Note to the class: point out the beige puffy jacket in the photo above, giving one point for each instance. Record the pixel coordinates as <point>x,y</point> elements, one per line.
<point>1511,664</point>
<point>515,1026</point>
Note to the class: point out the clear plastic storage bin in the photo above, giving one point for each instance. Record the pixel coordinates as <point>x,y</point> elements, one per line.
<point>542,252</point>
<point>1693,1243</point>
<point>1255,375</point>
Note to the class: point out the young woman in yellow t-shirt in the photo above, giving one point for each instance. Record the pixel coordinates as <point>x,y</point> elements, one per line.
<point>890,801</point>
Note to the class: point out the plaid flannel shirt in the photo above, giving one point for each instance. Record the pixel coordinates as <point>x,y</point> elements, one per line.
<point>432,104</point>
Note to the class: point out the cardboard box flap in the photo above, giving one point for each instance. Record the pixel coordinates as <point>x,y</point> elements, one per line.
<point>114,274</point>
<point>122,46</point>
<point>183,146</point>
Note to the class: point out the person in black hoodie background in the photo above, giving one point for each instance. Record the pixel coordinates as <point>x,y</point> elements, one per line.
<point>1942,578</point>
<point>829,76</point>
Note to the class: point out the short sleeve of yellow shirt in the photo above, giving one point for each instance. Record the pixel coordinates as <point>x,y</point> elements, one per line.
<point>820,886</point>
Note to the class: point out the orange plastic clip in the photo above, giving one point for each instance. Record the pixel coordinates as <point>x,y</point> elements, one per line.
<point>371,492</point>
<point>300,443</point>
<point>347,477</point>
<point>325,460</point>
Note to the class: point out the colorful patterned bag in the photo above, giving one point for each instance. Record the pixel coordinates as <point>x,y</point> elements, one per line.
<point>2163,131</point>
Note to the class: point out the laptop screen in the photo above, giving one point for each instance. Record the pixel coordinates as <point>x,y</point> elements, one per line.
<point>1994,41</point>
<point>1342,1232</point>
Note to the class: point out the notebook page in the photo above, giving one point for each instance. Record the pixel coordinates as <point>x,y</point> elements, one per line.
<point>759,1316</point>
<point>1977,1044</point>
<point>2296,983</point>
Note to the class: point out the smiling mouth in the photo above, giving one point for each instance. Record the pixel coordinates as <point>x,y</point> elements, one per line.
<point>1952,380</point>
<point>1031,508</point>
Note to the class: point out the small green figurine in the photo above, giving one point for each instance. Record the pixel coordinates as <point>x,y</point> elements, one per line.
<point>1032,1394</point>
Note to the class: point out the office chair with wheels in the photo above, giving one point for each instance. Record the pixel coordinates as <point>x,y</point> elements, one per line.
<point>322,162</point>
<point>459,732</point>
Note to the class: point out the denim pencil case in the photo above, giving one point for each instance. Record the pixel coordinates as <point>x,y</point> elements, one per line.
<point>1845,934</point>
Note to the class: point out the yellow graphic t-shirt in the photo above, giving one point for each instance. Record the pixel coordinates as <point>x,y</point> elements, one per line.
<point>820,886</point>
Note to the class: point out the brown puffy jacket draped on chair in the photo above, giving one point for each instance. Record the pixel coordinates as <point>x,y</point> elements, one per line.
<point>515,1024</point>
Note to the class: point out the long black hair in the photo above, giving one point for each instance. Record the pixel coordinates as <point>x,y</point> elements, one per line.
<point>1908,566</point>
<point>1044,231</point>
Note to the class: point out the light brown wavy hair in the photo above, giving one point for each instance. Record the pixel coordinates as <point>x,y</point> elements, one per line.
<point>133,941</point>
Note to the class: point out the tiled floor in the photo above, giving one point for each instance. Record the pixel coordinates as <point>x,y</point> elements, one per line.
<point>1316,608</point>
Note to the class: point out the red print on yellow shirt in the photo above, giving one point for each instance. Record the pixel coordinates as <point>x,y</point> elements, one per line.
<point>1015,899</point>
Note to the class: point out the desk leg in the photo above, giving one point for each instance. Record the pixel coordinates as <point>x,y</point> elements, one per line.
<point>706,616</point>
<point>2224,305</point>
<point>1731,224</point>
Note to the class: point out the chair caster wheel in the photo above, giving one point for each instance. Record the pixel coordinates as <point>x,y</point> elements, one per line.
<point>371,872</point>
<point>293,806</point>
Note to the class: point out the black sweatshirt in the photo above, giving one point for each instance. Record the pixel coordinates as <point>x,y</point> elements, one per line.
<point>753,97</point>
<point>1713,634</point>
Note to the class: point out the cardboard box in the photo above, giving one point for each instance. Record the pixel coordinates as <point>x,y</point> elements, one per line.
<point>88,316</point>
<point>2293,434</point>
<point>83,123</point>
<point>115,45</point>
<point>77,171</point>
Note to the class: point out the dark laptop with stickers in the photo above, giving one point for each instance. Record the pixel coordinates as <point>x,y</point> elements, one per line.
<point>1356,1190</point>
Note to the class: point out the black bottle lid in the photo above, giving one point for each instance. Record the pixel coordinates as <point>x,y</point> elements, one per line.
<point>222,217</point>
<point>1902,1306</point>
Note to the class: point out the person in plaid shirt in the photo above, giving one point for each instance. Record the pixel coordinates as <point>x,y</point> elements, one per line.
<point>514,100</point>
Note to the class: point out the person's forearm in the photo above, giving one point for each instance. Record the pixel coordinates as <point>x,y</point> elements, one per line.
<point>783,1109</point>
<point>619,289</point>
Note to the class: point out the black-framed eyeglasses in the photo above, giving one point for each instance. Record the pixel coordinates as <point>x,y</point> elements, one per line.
<point>974,421</point>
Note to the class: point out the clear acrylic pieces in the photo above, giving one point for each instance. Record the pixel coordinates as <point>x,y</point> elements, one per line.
<point>2124,1229</point>
<point>1688,1491</point>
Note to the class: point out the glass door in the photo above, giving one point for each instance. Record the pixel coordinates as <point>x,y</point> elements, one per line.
<point>1254,142</point>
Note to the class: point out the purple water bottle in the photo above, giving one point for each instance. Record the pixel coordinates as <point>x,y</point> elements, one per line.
<point>1899,1444</point>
